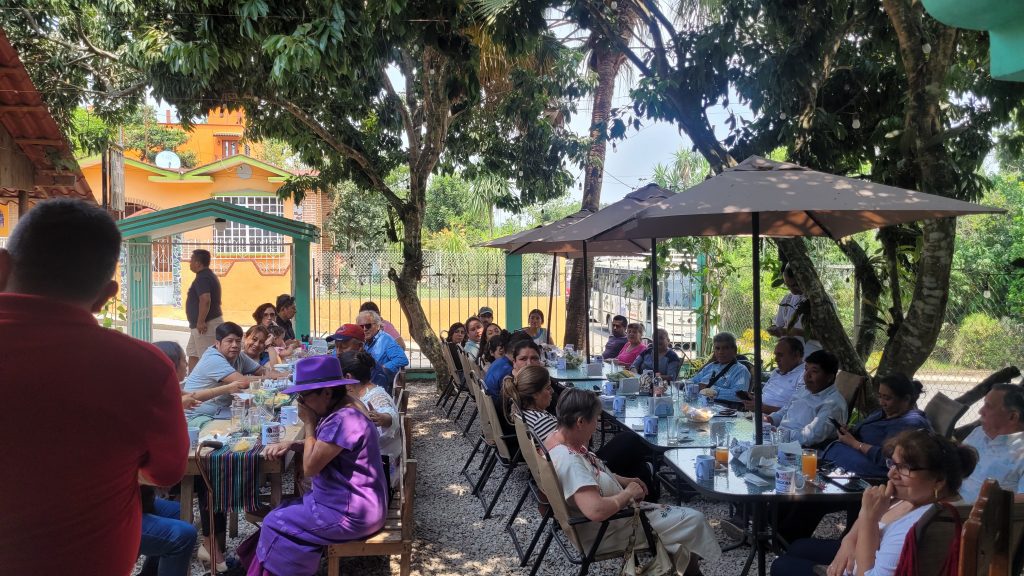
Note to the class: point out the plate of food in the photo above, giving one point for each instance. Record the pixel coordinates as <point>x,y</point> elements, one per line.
<point>727,412</point>
<point>621,375</point>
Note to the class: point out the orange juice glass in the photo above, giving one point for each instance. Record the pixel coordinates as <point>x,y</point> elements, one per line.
<point>722,455</point>
<point>809,462</point>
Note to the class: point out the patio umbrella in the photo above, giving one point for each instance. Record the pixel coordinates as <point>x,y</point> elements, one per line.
<point>570,237</point>
<point>761,197</point>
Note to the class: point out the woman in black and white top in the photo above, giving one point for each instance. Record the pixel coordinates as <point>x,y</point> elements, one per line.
<point>529,393</point>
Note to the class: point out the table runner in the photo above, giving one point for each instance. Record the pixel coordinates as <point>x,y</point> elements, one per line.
<point>234,477</point>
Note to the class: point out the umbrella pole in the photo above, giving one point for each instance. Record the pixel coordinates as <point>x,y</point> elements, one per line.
<point>551,294</point>
<point>654,305</point>
<point>756,244</point>
<point>586,302</point>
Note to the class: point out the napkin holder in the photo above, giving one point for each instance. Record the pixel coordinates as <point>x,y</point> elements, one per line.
<point>596,369</point>
<point>790,454</point>
<point>759,456</point>
<point>628,386</point>
<point>662,406</point>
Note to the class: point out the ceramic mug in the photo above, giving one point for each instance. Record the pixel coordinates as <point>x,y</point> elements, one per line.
<point>650,425</point>
<point>788,479</point>
<point>705,467</point>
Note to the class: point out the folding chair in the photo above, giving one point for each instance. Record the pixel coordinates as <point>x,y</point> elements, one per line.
<point>943,413</point>
<point>526,442</point>
<point>508,457</point>
<point>564,530</point>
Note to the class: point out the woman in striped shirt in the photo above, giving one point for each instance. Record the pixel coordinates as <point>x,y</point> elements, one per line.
<point>529,393</point>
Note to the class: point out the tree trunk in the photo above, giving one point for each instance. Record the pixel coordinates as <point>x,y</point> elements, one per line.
<point>407,281</point>
<point>827,328</point>
<point>870,297</point>
<point>608,62</point>
<point>928,164</point>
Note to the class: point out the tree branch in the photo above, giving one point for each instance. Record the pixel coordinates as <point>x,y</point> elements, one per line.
<point>345,150</point>
<point>410,130</point>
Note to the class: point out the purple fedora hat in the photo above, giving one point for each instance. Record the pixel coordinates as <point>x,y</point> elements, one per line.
<point>318,372</point>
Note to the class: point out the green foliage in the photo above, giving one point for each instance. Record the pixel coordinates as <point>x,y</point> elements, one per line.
<point>988,254</point>
<point>449,204</point>
<point>984,342</point>
<point>141,136</point>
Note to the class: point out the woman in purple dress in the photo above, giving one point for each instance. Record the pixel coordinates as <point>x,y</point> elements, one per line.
<point>342,456</point>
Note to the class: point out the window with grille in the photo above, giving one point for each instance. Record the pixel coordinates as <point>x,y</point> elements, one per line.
<point>241,239</point>
<point>228,148</point>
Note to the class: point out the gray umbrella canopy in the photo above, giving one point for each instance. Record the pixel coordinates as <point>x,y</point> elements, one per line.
<point>763,197</point>
<point>566,237</point>
<point>790,200</point>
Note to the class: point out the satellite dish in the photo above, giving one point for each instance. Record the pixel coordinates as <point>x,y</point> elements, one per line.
<point>168,160</point>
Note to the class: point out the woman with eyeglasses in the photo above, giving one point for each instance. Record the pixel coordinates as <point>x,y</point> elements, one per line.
<point>924,469</point>
<point>342,456</point>
<point>265,314</point>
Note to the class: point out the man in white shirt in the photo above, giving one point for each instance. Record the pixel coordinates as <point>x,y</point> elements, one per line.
<point>810,412</point>
<point>787,377</point>
<point>999,442</point>
<point>789,319</point>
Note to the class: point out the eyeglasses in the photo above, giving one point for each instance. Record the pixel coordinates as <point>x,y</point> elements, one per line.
<point>366,326</point>
<point>901,469</point>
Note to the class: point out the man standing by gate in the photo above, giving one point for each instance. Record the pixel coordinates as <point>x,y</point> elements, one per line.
<point>202,307</point>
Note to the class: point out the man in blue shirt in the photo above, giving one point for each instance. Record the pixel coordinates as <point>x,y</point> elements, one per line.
<point>725,375</point>
<point>618,338</point>
<point>349,338</point>
<point>388,354</point>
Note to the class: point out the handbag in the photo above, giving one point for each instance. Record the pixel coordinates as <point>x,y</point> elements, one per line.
<point>660,565</point>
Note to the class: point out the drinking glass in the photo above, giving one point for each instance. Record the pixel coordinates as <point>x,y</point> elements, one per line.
<point>722,454</point>
<point>809,463</point>
<point>673,430</point>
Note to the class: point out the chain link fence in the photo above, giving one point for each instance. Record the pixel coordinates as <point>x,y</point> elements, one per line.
<point>453,287</point>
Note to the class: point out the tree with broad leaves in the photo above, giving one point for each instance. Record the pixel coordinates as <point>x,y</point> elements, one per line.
<point>324,76</point>
<point>846,86</point>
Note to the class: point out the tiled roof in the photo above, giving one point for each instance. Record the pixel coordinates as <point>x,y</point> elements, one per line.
<point>25,116</point>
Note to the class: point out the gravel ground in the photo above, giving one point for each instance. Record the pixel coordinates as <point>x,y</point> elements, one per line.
<point>453,539</point>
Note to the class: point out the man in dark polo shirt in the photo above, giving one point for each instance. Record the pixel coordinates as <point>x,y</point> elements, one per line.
<point>285,314</point>
<point>84,432</point>
<point>202,307</point>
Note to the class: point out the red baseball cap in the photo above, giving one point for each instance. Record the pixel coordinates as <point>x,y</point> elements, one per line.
<point>347,331</point>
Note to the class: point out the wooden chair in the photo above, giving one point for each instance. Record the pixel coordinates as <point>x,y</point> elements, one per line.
<point>527,439</point>
<point>943,413</point>
<point>564,530</point>
<point>985,546</point>
<point>396,537</point>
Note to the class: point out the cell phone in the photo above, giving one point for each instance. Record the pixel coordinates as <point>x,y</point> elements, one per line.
<point>836,423</point>
<point>744,395</point>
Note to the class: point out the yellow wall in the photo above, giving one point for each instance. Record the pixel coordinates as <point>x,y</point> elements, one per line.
<point>5,219</point>
<point>242,290</point>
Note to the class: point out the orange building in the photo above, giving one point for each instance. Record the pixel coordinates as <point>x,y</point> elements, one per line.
<point>254,265</point>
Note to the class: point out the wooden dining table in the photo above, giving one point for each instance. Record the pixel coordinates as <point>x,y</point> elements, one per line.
<point>273,469</point>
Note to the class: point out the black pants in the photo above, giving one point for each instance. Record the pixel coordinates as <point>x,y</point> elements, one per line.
<point>803,555</point>
<point>799,520</point>
<point>628,455</point>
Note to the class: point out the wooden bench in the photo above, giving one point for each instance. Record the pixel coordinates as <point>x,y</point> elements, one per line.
<point>395,538</point>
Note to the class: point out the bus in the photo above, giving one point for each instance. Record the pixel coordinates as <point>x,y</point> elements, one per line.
<point>678,297</point>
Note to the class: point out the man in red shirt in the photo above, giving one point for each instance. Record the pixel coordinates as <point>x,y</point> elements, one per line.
<point>90,414</point>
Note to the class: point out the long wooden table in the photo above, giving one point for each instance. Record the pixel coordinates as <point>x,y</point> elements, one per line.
<point>273,469</point>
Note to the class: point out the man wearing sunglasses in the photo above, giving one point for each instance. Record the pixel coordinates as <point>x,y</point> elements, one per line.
<point>388,354</point>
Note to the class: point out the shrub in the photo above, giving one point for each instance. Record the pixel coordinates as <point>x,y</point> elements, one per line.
<point>983,342</point>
